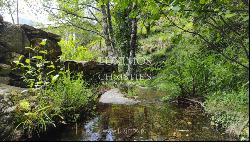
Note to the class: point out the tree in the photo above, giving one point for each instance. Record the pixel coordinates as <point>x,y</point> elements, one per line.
<point>92,16</point>
<point>126,13</point>
<point>17,12</point>
<point>215,24</point>
<point>108,27</point>
<point>133,46</point>
<point>11,7</point>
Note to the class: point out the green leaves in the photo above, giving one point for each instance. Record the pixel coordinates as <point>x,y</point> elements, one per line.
<point>38,57</point>
<point>188,26</point>
<point>203,1</point>
<point>70,51</point>
<point>35,70</point>
<point>54,78</point>
<point>27,61</point>
<point>246,18</point>
<point>43,52</point>
<point>229,14</point>
<point>29,48</point>
<point>175,8</point>
<point>51,66</point>
<point>24,105</point>
<point>43,42</point>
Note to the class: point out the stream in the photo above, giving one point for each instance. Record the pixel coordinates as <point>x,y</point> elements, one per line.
<point>149,120</point>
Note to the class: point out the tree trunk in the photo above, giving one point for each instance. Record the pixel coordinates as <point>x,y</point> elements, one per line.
<point>105,29</point>
<point>12,17</point>
<point>17,12</point>
<point>133,45</point>
<point>110,27</point>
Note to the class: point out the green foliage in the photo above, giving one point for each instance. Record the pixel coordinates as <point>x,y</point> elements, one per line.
<point>131,93</point>
<point>56,96</point>
<point>199,48</point>
<point>179,75</point>
<point>71,51</point>
<point>35,71</point>
<point>35,120</point>
<point>212,64</point>
<point>60,102</point>
<point>76,20</point>
<point>196,72</point>
<point>70,94</point>
<point>230,108</point>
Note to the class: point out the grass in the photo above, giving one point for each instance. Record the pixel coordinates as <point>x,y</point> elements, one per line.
<point>231,109</point>
<point>63,102</point>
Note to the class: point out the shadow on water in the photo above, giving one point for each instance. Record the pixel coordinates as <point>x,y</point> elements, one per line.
<point>141,122</point>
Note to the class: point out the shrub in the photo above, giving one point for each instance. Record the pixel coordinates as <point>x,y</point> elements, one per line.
<point>35,70</point>
<point>56,96</point>
<point>71,51</point>
<point>60,102</point>
<point>192,71</point>
<point>70,94</point>
<point>230,108</point>
<point>184,73</point>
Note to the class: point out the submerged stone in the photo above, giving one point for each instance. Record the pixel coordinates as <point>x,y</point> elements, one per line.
<point>114,96</point>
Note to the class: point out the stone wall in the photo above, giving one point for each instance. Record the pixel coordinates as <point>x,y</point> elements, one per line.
<point>93,72</point>
<point>14,39</point>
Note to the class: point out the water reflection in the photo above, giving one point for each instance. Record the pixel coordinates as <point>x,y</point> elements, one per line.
<point>152,122</point>
<point>142,122</point>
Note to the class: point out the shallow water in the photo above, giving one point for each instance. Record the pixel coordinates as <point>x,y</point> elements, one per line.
<point>150,120</point>
<point>141,122</point>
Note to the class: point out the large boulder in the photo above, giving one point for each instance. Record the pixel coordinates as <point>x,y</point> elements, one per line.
<point>12,39</point>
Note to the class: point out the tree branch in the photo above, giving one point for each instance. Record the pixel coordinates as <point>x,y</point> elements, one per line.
<point>77,26</point>
<point>211,45</point>
<point>239,34</point>
<point>71,13</point>
<point>94,16</point>
<point>233,60</point>
<point>88,5</point>
<point>192,32</point>
<point>246,2</point>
